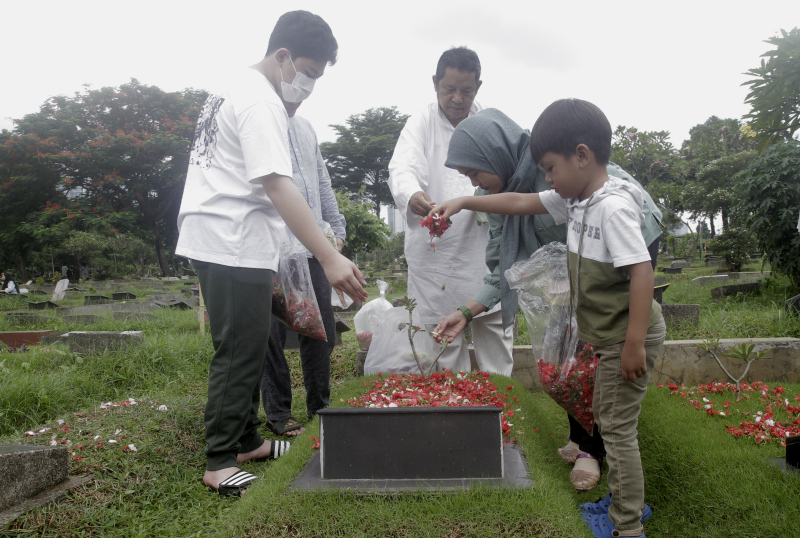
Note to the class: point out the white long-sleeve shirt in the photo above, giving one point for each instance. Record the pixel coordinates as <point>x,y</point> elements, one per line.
<point>446,276</point>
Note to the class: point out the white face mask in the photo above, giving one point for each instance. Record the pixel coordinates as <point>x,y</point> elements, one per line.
<point>299,89</point>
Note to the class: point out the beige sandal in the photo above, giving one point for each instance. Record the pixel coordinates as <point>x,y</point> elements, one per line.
<point>585,480</point>
<point>568,453</point>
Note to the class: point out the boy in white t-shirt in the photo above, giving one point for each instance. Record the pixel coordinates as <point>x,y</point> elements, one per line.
<point>612,281</point>
<point>238,195</point>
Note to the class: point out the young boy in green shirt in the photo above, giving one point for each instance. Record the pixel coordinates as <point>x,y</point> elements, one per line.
<point>611,279</point>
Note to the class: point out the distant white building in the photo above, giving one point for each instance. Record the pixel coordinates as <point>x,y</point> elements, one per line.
<point>394,218</point>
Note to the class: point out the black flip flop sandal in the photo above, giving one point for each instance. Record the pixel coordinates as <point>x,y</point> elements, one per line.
<point>235,484</point>
<point>280,427</point>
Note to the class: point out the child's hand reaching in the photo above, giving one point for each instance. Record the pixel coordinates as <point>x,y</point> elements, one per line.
<point>634,361</point>
<point>448,208</point>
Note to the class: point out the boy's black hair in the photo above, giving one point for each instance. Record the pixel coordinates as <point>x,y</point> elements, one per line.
<point>305,35</point>
<point>567,123</point>
<point>460,58</point>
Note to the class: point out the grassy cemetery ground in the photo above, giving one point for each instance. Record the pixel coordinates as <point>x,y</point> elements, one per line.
<point>701,481</point>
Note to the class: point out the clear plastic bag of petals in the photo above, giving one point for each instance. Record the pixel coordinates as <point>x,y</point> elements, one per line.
<point>567,366</point>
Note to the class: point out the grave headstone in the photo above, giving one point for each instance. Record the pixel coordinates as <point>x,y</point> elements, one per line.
<point>18,338</point>
<point>165,297</point>
<point>96,299</point>
<point>93,341</point>
<point>658,292</point>
<point>26,470</point>
<point>448,442</point>
<point>752,288</point>
<point>713,261</point>
<point>25,318</point>
<point>123,296</point>
<point>186,304</point>
<point>709,280</point>
<point>41,305</point>
<point>680,264</point>
<point>399,301</point>
<point>677,314</point>
<point>673,270</point>
<point>56,338</point>
<point>60,290</point>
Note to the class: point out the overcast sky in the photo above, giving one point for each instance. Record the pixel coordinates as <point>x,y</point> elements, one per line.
<point>656,65</point>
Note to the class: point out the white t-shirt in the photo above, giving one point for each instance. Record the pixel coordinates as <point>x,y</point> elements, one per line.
<point>226,216</point>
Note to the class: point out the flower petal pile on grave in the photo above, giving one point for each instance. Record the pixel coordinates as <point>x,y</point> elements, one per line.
<point>765,426</point>
<point>439,389</point>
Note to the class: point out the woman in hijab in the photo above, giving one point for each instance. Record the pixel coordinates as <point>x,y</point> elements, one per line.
<point>493,152</point>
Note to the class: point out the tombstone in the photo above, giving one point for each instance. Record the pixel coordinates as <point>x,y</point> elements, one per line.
<point>17,338</point>
<point>180,305</point>
<point>673,270</point>
<point>660,280</point>
<point>32,476</point>
<point>658,292</point>
<point>715,261</point>
<point>165,297</point>
<point>680,264</point>
<point>707,280</point>
<point>399,301</point>
<point>25,318</point>
<point>123,296</point>
<point>677,314</point>
<point>60,289</point>
<point>96,299</point>
<point>98,341</point>
<point>81,319</point>
<point>752,288</point>
<point>793,451</point>
<point>189,283</point>
<point>41,305</point>
<point>132,316</point>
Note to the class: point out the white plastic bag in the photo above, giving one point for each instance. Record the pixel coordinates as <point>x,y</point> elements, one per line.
<point>336,302</point>
<point>364,318</point>
<point>391,352</point>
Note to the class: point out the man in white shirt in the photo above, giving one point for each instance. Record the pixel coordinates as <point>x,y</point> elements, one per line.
<point>237,197</point>
<point>417,179</point>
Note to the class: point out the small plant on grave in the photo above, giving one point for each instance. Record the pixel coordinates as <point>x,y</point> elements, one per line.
<point>411,304</point>
<point>745,352</point>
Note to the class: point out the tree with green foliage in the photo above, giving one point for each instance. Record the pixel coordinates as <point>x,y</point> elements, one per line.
<point>770,204</point>
<point>646,155</point>
<point>121,155</point>
<point>713,192</point>
<point>361,154</point>
<point>365,231</point>
<point>734,245</point>
<point>30,198</point>
<point>774,95</point>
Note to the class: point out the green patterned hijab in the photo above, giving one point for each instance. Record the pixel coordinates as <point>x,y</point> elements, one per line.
<point>491,142</point>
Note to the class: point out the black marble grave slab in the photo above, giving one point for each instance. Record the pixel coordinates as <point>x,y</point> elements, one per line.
<point>411,443</point>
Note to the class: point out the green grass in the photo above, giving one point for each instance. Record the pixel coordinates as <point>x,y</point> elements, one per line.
<point>700,480</point>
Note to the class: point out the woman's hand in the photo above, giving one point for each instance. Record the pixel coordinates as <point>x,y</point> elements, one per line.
<point>448,208</point>
<point>450,327</point>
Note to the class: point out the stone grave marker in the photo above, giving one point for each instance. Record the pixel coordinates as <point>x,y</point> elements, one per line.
<point>680,264</point>
<point>185,304</point>
<point>32,476</point>
<point>658,292</point>
<point>165,297</point>
<point>710,280</point>
<point>25,318</point>
<point>751,288</point>
<point>18,338</point>
<point>123,296</point>
<point>96,299</point>
<point>92,341</point>
<point>673,270</point>
<point>677,314</point>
